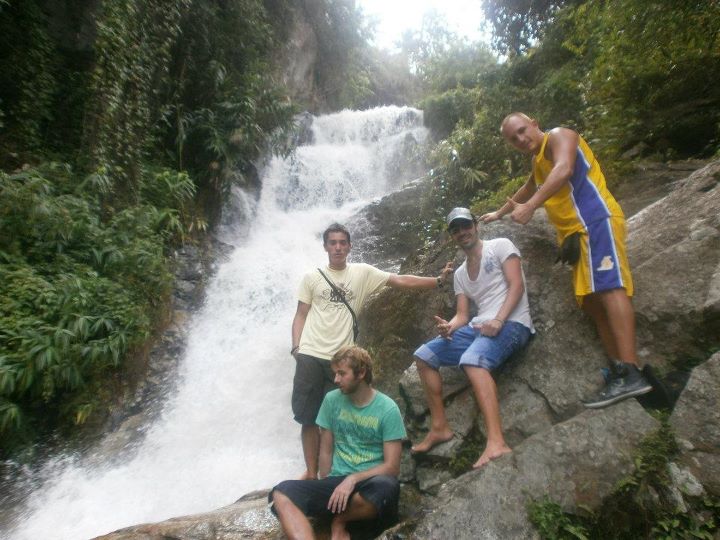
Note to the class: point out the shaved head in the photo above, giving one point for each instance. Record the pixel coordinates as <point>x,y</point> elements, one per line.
<point>514,115</point>
<point>522,132</point>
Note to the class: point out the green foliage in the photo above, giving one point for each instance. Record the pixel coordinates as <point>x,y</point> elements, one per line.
<point>341,33</point>
<point>444,111</point>
<point>653,74</point>
<point>618,71</point>
<point>639,507</point>
<point>76,292</point>
<point>621,71</point>
<point>652,457</point>
<point>29,79</point>
<point>221,107</point>
<point>495,199</point>
<point>441,59</point>
<point>133,51</point>
<point>468,453</point>
<point>517,24</point>
<point>686,526</point>
<point>158,107</point>
<point>453,182</point>
<point>554,524</point>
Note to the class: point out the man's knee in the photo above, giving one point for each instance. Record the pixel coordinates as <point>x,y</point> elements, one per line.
<point>280,501</point>
<point>383,493</point>
<point>386,483</point>
<point>421,364</point>
<point>479,371</point>
<point>610,293</point>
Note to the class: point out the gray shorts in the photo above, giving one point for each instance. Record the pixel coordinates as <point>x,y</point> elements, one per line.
<point>313,379</point>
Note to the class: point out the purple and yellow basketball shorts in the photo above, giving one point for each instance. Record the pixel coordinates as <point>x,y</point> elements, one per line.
<point>603,263</point>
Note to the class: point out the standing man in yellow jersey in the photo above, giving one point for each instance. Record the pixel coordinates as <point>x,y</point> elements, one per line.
<point>323,324</point>
<point>566,179</point>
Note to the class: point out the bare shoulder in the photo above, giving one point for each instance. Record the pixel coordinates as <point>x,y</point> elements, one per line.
<point>562,134</point>
<point>562,143</point>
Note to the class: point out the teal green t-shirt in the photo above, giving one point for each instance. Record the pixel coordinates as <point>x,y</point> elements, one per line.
<point>359,432</point>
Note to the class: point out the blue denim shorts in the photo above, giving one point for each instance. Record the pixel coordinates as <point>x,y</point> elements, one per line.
<point>469,348</point>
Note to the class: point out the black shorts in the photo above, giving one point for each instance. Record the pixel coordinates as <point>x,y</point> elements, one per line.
<point>312,496</point>
<point>313,379</point>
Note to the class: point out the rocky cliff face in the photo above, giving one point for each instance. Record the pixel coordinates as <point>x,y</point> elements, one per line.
<point>560,451</point>
<point>295,61</point>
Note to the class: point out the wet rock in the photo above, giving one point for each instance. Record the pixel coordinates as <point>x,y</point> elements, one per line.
<point>684,480</point>
<point>430,479</point>
<point>576,463</point>
<point>454,381</point>
<point>696,421</point>
<point>524,412</point>
<point>674,248</point>
<point>249,517</point>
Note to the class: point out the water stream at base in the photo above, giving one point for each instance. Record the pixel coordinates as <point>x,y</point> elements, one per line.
<point>228,430</point>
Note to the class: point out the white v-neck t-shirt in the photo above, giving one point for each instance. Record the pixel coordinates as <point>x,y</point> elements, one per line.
<point>490,289</point>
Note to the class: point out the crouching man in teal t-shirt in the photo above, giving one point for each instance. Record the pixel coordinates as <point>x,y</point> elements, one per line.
<point>360,445</point>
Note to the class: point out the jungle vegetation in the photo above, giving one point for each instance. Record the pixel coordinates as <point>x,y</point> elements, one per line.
<point>122,126</point>
<point>124,123</point>
<point>635,78</point>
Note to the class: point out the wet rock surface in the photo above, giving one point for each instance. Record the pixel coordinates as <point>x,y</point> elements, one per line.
<point>696,421</point>
<point>575,463</point>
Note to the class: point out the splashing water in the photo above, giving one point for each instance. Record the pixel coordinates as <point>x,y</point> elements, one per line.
<point>228,429</point>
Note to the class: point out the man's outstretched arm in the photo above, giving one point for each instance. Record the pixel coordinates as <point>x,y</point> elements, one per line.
<point>562,146</point>
<point>407,281</point>
<point>522,195</point>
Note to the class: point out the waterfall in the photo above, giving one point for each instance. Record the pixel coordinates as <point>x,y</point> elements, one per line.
<point>228,427</point>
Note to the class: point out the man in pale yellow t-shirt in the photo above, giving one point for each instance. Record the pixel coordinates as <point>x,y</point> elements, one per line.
<point>323,324</point>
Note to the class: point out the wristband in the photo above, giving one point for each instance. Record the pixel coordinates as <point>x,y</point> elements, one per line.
<point>501,321</point>
<point>440,282</point>
<point>294,350</point>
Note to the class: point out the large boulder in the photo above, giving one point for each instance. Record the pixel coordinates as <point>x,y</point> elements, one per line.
<point>674,248</point>
<point>675,256</point>
<point>248,517</point>
<point>576,463</point>
<point>696,421</point>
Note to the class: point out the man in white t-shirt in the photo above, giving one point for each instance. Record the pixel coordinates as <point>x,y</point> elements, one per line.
<point>492,278</point>
<point>323,324</point>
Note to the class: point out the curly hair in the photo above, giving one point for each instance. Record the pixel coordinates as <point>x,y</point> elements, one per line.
<point>357,358</point>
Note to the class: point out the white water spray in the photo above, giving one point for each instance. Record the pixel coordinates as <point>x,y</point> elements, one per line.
<point>228,429</point>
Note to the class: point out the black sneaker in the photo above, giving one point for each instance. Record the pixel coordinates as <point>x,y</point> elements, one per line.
<point>626,381</point>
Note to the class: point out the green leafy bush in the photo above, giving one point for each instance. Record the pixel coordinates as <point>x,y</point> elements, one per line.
<point>554,524</point>
<point>76,292</point>
<point>444,111</point>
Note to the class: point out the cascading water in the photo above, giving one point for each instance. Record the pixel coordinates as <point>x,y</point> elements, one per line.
<point>228,428</point>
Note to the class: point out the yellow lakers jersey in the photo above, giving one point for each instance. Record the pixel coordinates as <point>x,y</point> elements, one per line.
<point>585,199</point>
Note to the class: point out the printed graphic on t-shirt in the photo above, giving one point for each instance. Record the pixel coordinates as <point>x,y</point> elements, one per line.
<point>332,298</point>
<point>490,265</point>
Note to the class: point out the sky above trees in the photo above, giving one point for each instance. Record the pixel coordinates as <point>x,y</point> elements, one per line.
<point>393,17</point>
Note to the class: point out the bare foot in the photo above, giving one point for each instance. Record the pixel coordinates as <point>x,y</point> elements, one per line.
<point>433,438</point>
<point>307,475</point>
<point>492,452</point>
